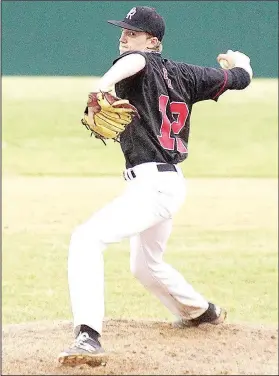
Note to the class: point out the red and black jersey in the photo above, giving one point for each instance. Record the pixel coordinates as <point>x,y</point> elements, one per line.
<point>164,93</point>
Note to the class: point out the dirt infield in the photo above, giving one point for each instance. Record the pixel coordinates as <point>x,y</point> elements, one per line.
<point>145,348</point>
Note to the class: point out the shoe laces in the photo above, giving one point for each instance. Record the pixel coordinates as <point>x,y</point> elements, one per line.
<point>82,342</point>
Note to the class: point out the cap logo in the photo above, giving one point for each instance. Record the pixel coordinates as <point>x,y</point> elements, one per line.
<point>131,13</point>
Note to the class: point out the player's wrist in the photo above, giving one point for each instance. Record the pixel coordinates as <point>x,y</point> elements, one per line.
<point>242,61</point>
<point>235,59</point>
<point>247,68</point>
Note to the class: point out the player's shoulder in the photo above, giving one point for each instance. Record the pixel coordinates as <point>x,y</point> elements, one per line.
<point>149,56</point>
<point>187,69</point>
<point>185,66</point>
<point>131,53</point>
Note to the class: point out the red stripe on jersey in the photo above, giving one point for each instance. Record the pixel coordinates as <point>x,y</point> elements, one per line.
<point>224,84</point>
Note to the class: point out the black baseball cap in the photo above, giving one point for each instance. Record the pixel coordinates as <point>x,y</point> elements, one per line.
<point>143,19</point>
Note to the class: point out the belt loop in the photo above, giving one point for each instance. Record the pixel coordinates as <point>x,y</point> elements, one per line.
<point>130,174</point>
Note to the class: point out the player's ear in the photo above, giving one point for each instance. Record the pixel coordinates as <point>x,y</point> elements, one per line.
<point>152,42</point>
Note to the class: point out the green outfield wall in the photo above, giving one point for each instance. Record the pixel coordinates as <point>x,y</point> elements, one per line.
<point>73,37</point>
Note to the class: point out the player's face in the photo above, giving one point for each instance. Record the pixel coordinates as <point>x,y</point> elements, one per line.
<point>133,41</point>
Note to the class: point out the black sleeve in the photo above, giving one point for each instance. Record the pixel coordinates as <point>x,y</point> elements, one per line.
<point>240,78</point>
<point>210,83</point>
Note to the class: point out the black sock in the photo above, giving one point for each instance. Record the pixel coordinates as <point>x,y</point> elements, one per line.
<point>91,332</point>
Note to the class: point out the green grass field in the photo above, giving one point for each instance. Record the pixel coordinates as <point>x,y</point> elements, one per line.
<point>225,237</point>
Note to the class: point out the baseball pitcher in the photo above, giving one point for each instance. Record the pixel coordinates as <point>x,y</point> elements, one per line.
<point>150,117</point>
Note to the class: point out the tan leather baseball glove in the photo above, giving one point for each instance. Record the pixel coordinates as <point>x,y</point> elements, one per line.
<point>107,116</point>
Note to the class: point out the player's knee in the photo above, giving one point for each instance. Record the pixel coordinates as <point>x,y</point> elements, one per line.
<point>83,238</point>
<point>142,272</point>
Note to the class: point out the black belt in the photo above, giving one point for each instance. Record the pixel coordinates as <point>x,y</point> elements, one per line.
<point>160,167</point>
<point>166,167</point>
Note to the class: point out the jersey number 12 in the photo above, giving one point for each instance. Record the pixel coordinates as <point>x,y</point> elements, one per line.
<point>165,138</point>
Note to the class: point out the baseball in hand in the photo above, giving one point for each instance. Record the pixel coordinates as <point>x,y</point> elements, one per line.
<point>224,64</point>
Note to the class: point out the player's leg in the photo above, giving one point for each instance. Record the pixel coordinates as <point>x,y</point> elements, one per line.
<point>159,277</point>
<point>163,280</point>
<point>138,208</point>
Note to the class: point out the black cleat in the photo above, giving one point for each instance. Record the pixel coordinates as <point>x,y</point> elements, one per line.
<point>213,315</point>
<point>85,350</point>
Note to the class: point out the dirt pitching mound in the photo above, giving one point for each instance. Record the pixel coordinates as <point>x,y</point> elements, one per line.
<point>145,348</point>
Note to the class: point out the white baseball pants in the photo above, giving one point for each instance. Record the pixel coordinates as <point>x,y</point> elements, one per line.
<point>143,213</point>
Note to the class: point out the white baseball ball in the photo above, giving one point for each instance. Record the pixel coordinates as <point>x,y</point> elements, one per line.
<point>224,64</point>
